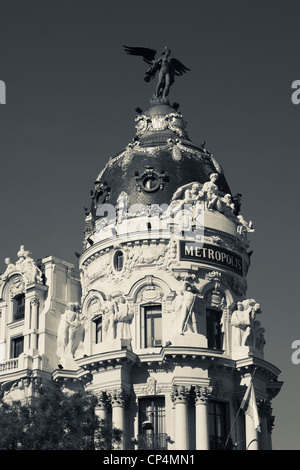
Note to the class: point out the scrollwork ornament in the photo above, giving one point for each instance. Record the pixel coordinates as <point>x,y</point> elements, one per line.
<point>142,124</point>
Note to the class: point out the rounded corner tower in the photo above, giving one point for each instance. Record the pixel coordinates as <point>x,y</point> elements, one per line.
<point>171,338</point>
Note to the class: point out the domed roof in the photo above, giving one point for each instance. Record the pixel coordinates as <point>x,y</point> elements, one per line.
<point>160,159</point>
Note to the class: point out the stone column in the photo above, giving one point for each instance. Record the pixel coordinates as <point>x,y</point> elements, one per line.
<point>118,413</point>
<point>270,424</point>
<point>202,395</point>
<point>265,413</point>
<point>34,303</point>
<point>101,408</point>
<point>252,436</point>
<point>179,396</point>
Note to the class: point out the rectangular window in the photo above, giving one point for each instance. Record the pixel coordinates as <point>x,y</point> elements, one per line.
<point>17,346</point>
<point>19,307</point>
<point>99,330</point>
<point>213,326</point>
<point>152,415</point>
<point>152,326</point>
<point>218,425</point>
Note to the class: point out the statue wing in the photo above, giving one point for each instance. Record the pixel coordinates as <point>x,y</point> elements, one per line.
<point>178,67</point>
<point>147,54</point>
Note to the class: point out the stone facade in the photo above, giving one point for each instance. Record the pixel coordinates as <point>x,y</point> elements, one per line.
<point>156,321</point>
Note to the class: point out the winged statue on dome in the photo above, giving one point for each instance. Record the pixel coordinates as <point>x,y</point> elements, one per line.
<point>166,67</point>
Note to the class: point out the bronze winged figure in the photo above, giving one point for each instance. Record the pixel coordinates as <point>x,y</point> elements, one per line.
<point>166,67</point>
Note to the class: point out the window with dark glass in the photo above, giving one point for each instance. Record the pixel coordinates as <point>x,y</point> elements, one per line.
<point>150,183</point>
<point>17,346</point>
<point>218,425</point>
<point>99,330</point>
<point>119,260</point>
<point>19,307</point>
<point>213,327</point>
<point>152,414</point>
<point>152,326</point>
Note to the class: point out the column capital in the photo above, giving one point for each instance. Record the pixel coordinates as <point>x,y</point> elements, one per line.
<point>180,394</point>
<point>270,423</point>
<point>118,397</point>
<point>264,407</point>
<point>35,301</point>
<point>102,400</point>
<point>202,394</point>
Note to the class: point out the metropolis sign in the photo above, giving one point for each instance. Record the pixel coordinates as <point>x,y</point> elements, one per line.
<point>211,254</point>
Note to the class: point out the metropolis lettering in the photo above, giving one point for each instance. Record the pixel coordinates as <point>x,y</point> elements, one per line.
<point>211,255</point>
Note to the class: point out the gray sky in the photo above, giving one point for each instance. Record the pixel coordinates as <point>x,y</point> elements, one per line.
<point>71,95</point>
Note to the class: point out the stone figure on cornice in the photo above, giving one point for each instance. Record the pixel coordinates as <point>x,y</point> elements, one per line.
<point>30,271</point>
<point>108,323</point>
<point>70,332</point>
<point>246,331</point>
<point>227,205</point>
<point>210,190</point>
<point>25,265</point>
<point>194,192</point>
<point>9,268</point>
<point>77,330</point>
<point>185,316</point>
<point>189,193</point>
<point>185,197</point>
<point>244,226</point>
<point>123,319</point>
<point>241,323</point>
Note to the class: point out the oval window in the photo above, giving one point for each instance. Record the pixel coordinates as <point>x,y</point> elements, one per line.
<point>150,183</point>
<point>119,260</point>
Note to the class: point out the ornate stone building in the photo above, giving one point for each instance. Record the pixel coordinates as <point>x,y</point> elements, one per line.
<point>156,321</point>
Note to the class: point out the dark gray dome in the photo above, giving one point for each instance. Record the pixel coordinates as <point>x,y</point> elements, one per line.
<point>160,159</point>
